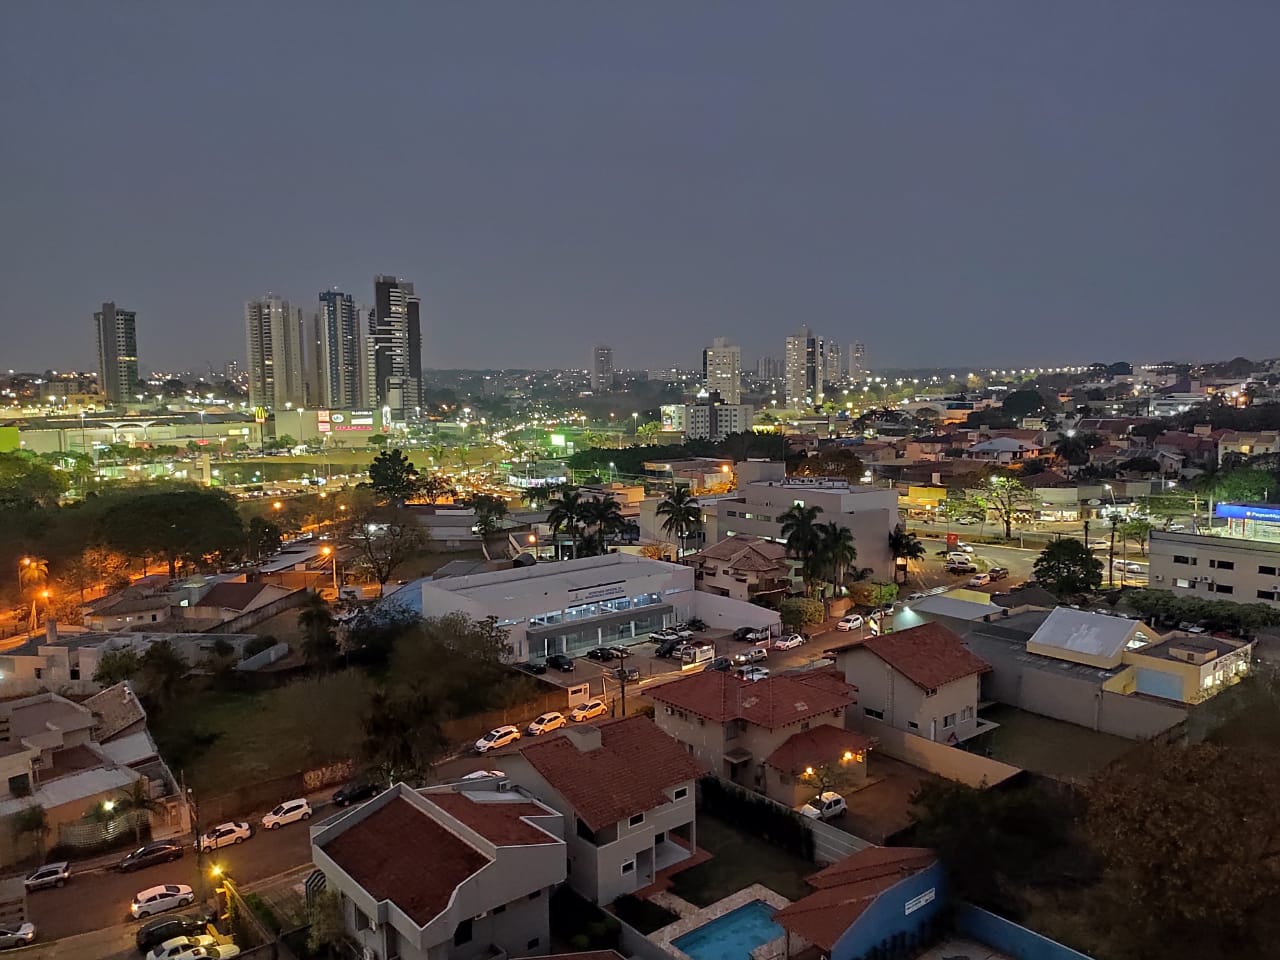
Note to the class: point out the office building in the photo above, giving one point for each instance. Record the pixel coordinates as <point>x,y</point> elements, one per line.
<point>336,381</point>
<point>274,337</point>
<point>722,370</point>
<point>601,368</point>
<point>858,360</point>
<point>811,362</point>
<point>117,352</point>
<point>394,352</point>
<point>1242,566</point>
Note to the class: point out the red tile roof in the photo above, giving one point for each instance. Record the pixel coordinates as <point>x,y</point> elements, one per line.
<point>930,655</point>
<point>232,596</point>
<point>500,821</point>
<point>771,703</point>
<point>386,852</point>
<point>821,745</point>
<point>844,890</point>
<point>629,773</point>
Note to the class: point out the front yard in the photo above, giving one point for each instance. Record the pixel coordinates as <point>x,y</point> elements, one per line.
<point>739,860</point>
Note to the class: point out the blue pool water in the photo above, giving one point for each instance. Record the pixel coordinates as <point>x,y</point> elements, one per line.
<point>733,936</point>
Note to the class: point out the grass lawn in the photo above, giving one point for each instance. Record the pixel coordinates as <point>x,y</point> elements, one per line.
<point>222,739</point>
<point>739,860</point>
<point>1050,747</point>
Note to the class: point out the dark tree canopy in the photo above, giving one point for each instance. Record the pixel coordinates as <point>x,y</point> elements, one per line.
<point>1066,567</point>
<point>393,477</point>
<point>192,526</point>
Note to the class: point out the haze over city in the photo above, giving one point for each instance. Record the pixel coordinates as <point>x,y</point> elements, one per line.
<point>989,183</point>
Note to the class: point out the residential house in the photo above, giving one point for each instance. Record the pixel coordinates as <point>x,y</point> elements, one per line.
<point>1004,450</point>
<point>877,895</point>
<point>1241,444</point>
<point>626,792</point>
<point>128,608</point>
<point>229,600</point>
<point>743,568</point>
<point>923,680</point>
<point>931,448</point>
<point>454,872</point>
<point>782,736</point>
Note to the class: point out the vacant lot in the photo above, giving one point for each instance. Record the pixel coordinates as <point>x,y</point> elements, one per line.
<point>1051,747</point>
<point>739,860</point>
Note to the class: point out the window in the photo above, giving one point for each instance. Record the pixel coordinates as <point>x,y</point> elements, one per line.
<point>680,793</point>
<point>628,867</point>
<point>1223,588</point>
<point>660,837</point>
<point>462,933</point>
<point>1267,571</point>
<point>362,922</point>
<point>966,713</point>
<point>1181,582</point>
<point>532,944</point>
<point>392,942</point>
<point>873,714</point>
<point>948,721</point>
<point>636,820</point>
<point>1222,565</point>
<point>912,725</point>
<point>1178,558</point>
<point>1266,594</point>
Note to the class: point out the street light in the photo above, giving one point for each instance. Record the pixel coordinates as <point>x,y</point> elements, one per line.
<point>327,551</point>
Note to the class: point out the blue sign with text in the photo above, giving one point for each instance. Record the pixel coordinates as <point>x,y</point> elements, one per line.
<point>1241,511</point>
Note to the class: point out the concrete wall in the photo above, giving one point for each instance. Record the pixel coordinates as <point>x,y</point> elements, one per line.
<point>887,916</point>
<point>950,762</point>
<point>882,688</point>
<point>1007,937</point>
<point>252,618</point>
<point>726,613</point>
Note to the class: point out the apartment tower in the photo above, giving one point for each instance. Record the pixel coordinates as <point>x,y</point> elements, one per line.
<point>722,370</point>
<point>117,352</point>
<point>274,337</point>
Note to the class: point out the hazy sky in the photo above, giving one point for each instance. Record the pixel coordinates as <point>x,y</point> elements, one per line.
<point>951,182</point>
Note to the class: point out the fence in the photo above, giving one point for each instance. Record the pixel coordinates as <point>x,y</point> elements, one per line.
<point>831,844</point>
<point>254,617</point>
<point>95,833</point>
<point>1007,937</point>
<point>950,762</point>
<point>252,797</point>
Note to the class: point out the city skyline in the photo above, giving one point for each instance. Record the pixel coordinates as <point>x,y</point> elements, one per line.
<point>1002,183</point>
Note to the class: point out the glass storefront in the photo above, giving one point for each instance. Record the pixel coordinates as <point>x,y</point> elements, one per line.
<point>575,636</point>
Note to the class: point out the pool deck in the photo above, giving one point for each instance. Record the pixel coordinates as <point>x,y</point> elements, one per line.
<point>672,931</point>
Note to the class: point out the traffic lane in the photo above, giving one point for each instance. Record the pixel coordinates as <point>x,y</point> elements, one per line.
<point>94,901</point>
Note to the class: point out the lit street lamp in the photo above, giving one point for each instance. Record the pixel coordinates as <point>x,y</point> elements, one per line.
<point>327,551</point>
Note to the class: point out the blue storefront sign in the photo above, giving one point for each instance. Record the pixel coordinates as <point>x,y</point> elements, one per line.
<point>1243,511</point>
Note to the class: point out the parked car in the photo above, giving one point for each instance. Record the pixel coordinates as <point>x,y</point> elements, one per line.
<point>966,521</point>
<point>1097,544</point>
<point>546,723</point>
<point>826,806</point>
<point>621,652</point>
<point>1176,527</point>
<point>980,580</point>
<point>682,631</point>
<point>664,636</point>
<point>558,661</point>
<point>497,737</point>
<point>667,648</point>
<point>179,946</point>
<point>719,664</point>
<point>602,654</point>
<point>287,812</point>
<point>742,633</point>
<point>913,597</point>
<point>997,573</point>
<point>751,634</point>
<point>157,851</point>
<point>629,674</point>
<point>158,899</point>
<point>530,667</point>
<point>18,936</point>
<point>957,556</point>
<point>50,875</point>
<point>156,932</point>
<point>223,951</point>
<point>956,567</point>
<point>789,642</point>
<point>588,710</point>
<point>750,655</point>
<point>225,835</point>
<point>696,623</point>
<point>852,622</point>
<point>754,673</point>
<point>357,791</point>
<point>964,547</point>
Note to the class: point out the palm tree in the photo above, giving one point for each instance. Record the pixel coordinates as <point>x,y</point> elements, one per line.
<point>800,530</point>
<point>137,800</point>
<point>836,552</point>
<point>437,452</point>
<point>681,516</point>
<point>566,514</point>
<point>602,516</point>
<point>646,433</point>
<point>904,546</point>
<point>319,648</point>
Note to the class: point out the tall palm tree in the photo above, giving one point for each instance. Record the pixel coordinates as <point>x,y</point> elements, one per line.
<point>137,800</point>
<point>437,452</point>
<point>836,552</point>
<point>904,546</point>
<point>681,516</point>
<point>566,514</point>
<point>602,516</point>
<point>800,530</point>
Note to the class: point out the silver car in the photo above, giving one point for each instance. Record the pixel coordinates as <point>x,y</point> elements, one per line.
<point>17,936</point>
<point>50,875</point>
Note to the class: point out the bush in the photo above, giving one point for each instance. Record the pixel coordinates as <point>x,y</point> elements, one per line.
<point>756,815</point>
<point>581,923</point>
<point>799,612</point>
<point>263,912</point>
<point>644,915</point>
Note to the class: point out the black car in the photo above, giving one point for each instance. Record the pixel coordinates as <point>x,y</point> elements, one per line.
<point>743,633</point>
<point>721,664</point>
<point>629,674</point>
<point>530,667</point>
<point>357,791</point>
<point>697,623</point>
<point>151,935</point>
<point>667,648</point>
<point>558,661</point>
<point>157,851</point>
<point>997,573</point>
<point>600,653</point>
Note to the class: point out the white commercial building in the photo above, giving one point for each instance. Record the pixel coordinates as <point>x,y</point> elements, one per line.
<point>573,605</point>
<point>1221,567</point>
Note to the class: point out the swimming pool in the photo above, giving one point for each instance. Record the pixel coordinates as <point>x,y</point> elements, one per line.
<point>733,936</point>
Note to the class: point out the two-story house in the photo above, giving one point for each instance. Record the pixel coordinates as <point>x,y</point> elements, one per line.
<point>449,873</point>
<point>743,568</point>
<point>782,736</point>
<point>923,680</point>
<point>626,792</point>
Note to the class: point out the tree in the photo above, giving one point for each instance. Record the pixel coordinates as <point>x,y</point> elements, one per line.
<point>29,483</point>
<point>403,737</point>
<point>187,525</point>
<point>263,538</point>
<point>1005,497</point>
<point>1023,403</point>
<point>836,552</point>
<point>117,665</point>
<point>387,536</point>
<point>489,513</point>
<point>565,513</point>
<point>800,531</point>
<point>162,674</point>
<point>647,433</point>
<point>138,801</point>
<point>31,821</point>
<point>328,926</point>
<point>393,477</point>
<point>843,463</point>
<point>1246,485</point>
<point>1066,567</point>
<point>905,546</point>
<point>603,519</point>
<point>434,487</point>
<point>799,612</point>
<point>681,516</point>
<point>1137,531</point>
<point>319,644</point>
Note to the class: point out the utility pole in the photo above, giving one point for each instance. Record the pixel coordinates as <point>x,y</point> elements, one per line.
<point>1111,554</point>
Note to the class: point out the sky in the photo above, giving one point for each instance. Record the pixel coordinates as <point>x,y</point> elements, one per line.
<point>1016,182</point>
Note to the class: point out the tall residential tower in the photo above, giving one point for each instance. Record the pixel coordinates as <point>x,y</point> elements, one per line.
<point>395,346</point>
<point>117,352</point>
<point>337,360</point>
<point>274,337</point>
<point>722,370</point>
<point>601,368</point>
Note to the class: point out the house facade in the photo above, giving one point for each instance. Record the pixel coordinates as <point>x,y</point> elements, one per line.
<point>742,568</point>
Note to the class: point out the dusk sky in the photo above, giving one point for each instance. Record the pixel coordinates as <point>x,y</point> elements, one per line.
<point>951,182</point>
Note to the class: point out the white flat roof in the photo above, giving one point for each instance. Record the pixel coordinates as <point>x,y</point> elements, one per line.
<point>564,576</point>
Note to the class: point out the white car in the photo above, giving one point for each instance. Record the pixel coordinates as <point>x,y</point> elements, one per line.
<point>753,674</point>
<point>661,636</point>
<point>979,579</point>
<point>546,723</point>
<point>852,622</point>
<point>966,521</point>
<point>180,947</point>
<point>828,806</point>
<point>224,835</point>
<point>966,547</point>
<point>497,737</point>
<point>585,711</point>
<point>159,899</point>
<point>913,597</point>
<point>788,642</point>
<point>50,875</point>
<point>222,952</point>
<point>484,775</point>
<point>17,936</point>
<point>287,812</point>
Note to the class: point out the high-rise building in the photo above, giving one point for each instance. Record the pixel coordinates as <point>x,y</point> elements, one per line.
<point>811,363</point>
<point>395,346</point>
<point>767,368</point>
<point>834,369</point>
<point>722,370</point>
<point>601,368</point>
<point>274,335</point>
<point>858,360</point>
<point>709,417</point>
<point>336,362</point>
<point>117,352</point>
